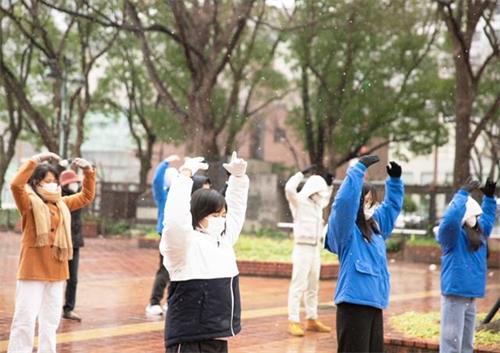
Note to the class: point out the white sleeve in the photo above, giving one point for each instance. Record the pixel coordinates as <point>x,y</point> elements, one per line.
<point>236,199</point>
<point>291,190</point>
<point>177,221</point>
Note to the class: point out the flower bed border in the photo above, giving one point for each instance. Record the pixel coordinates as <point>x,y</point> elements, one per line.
<point>395,345</point>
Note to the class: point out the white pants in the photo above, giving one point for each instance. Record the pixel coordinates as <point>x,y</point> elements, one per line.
<point>305,281</point>
<point>36,299</point>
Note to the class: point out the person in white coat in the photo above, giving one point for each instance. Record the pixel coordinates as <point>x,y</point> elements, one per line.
<point>199,234</point>
<point>308,232</point>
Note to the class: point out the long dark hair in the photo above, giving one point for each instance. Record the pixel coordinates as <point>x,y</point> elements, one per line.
<point>40,173</point>
<point>474,236</point>
<point>204,202</point>
<point>199,181</point>
<point>367,227</point>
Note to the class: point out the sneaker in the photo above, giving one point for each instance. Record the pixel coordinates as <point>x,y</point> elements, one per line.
<point>70,315</point>
<point>295,329</point>
<point>154,310</point>
<point>317,326</point>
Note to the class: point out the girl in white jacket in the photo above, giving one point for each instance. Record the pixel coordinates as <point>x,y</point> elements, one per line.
<point>199,233</point>
<point>308,232</point>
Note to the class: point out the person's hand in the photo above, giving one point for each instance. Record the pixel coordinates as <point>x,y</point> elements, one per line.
<point>82,163</point>
<point>471,185</point>
<point>489,188</point>
<point>309,170</point>
<point>46,156</point>
<point>172,158</point>
<point>192,165</point>
<point>369,160</point>
<point>394,170</point>
<point>329,178</point>
<point>236,166</point>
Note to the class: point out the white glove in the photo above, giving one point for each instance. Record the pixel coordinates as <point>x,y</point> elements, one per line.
<point>194,164</point>
<point>236,166</point>
<point>172,158</point>
<point>82,163</point>
<point>46,156</point>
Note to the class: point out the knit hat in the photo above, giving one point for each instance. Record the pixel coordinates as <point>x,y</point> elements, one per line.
<point>68,177</point>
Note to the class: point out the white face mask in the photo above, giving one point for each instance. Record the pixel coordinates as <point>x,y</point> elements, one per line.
<point>369,211</point>
<point>216,225</point>
<point>73,187</point>
<point>50,187</point>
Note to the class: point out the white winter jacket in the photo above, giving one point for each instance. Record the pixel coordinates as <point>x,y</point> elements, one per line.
<point>190,254</point>
<point>308,225</point>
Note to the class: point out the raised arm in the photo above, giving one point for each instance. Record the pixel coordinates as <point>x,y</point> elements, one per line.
<point>86,196</point>
<point>291,186</point>
<point>236,199</point>
<point>342,218</point>
<point>158,183</point>
<point>386,214</point>
<point>18,185</point>
<point>451,224</point>
<point>489,206</point>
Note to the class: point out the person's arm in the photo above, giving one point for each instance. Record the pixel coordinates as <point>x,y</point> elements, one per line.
<point>158,183</point>
<point>386,214</point>
<point>487,219</point>
<point>345,207</point>
<point>451,224</point>
<point>291,188</point>
<point>236,199</point>
<point>18,185</point>
<point>87,194</point>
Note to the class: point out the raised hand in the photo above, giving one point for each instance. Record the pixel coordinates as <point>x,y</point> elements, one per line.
<point>369,160</point>
<point>236,166</point>
<point>46,156</point>
<point>394,170</point>
<point>82,163</point>
<point>489,188</point>
<point>471,185</point>
<point>192,165</point>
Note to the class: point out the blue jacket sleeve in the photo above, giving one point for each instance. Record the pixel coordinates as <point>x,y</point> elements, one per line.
<point>158,184</point>
<point>342,219</point>
<point>487,219</point>
<point>451,225</point>
<point>386,214</point>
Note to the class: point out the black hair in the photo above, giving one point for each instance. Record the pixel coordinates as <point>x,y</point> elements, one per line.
<point>199,181</point>
<point>40,173</point>
<point>204,202</point>
<point>474,236</point>
<point>367,227</point>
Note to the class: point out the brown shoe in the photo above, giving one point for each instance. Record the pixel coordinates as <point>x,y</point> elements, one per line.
<point>70,315</point>
<point>295,329</point>
<point>317,326</point>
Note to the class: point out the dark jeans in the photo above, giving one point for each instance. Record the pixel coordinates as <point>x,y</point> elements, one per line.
<point>72,281</point>
<point>360,328</point>
<point>161,281</point>
<point>209,346</point>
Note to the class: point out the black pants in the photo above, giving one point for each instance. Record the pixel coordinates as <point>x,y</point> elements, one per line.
<point>161,280</point>
<point>209,346</point>
<point>360,328</point>
<point>72,281</point>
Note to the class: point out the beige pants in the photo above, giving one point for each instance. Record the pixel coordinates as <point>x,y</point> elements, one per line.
<point>36,299</point>
<point>305,281</point>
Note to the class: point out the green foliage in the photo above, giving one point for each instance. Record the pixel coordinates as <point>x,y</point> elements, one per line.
<point>9,218</point>
<point>408,204</point>
<point>114,227</point>
<point>271,248</point>
<point>426,325</point>
<point>419,240</point>
<point>393,245</point>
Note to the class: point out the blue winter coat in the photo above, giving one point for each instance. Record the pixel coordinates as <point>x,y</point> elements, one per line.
<point>364,277</point>
<point>463,272</point>
<point>160,192</point>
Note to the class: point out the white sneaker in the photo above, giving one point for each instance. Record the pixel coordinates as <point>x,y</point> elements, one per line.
<point>154,310</point>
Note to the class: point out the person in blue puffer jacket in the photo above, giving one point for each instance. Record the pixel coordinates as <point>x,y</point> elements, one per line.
<point>357,233</point>
<point>463,235</point>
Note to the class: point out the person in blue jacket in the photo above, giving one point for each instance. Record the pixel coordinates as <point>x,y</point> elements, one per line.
<point>463,235</point>
<point>357,234</point>
<point>161,183</point>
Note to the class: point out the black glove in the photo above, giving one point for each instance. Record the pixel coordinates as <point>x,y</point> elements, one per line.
<point>309,170</point>
<point>369,160</point>
<point>489,188</point>
<point>329,178</point>
<point>471,185</point>
<point>394,170</point>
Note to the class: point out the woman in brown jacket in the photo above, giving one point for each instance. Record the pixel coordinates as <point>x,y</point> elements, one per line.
<point>45,249</point>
